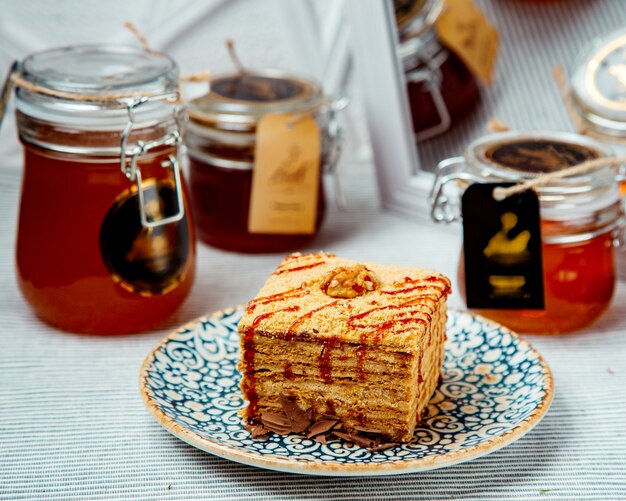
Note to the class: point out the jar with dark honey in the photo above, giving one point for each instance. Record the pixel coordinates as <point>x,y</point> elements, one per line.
<point>581,219</point>
<point>440,87</point>
<point>252,189</point>
<point>105,243</point>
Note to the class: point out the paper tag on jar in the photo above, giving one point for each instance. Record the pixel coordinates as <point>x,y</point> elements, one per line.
<point>464,29</point>
<point>502,249</point>
<point>286,175</point>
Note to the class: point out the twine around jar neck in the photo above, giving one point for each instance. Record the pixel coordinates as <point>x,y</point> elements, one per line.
<point>500,193</point>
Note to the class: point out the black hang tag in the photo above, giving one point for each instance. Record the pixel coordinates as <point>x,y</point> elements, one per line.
<point>502,246</point>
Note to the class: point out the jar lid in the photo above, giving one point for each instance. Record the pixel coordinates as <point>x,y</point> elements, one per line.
<point>599,85</point>
<point>415,17</point>
<point>522,155</point>
<point>406,10</point>
<point>423,50</point>
<point>83,74</point>
<point>238,101</point>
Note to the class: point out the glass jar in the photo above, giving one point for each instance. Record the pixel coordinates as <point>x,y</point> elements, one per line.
<point>598,91</point>
<point>581,221</point>
<point>221,139</point>
<point>440,87</point>
<point>105,243</point>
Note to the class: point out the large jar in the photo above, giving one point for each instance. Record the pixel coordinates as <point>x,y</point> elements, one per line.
<point>581,220</point>
<point>222,141</point>
<point>440,87</point>
<point>104,243</point>
<point>598,90</point>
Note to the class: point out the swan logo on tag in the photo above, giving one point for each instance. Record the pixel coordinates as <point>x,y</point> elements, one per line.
<point>147,261</point>
<point>502,248</point>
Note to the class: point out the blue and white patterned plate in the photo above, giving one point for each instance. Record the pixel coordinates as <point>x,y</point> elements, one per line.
<point>495,388</point>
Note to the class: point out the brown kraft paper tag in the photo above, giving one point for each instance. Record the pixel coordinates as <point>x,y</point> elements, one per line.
<point>502,248</point>
<point>464,29</point>
<point>286,175</point>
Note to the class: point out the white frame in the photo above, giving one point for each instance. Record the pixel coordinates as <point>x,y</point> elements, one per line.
<point>402,185</point>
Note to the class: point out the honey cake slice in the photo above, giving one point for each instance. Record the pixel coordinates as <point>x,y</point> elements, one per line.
<point>360,341</point>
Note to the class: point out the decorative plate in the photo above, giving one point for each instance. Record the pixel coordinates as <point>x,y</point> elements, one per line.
<point>495,388</point>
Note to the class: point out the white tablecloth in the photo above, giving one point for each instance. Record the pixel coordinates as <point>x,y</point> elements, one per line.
<point>73,426</point>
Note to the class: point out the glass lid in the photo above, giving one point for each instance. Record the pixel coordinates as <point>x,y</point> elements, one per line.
<point>516,156</point>
<point>93,81</point>
<point>599,83</point>
<point>406,10</point>
<point>415,17</point>
<point>101,69</point>
<point>521,155</point>
<point>246,97</point>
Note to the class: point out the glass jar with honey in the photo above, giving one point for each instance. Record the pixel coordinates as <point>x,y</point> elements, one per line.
<point>440,87</point>
<point>105,244</point>
<point>581,219</point>
<point>223,139</point>
<point>598,104</point>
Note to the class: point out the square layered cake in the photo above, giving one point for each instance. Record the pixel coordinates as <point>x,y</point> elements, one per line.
<point>361,342</point>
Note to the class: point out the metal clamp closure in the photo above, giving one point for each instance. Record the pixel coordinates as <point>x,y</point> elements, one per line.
<point>335,147</point>
<point>129,157</point>
<point>429,74</point>
<point>444,209</point>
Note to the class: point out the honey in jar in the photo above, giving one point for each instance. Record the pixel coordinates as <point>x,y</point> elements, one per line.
<point>222,139</point>
<point>105,243</point>
<point>441,89</point>
<point>598,92</point>
<point>581,221</point>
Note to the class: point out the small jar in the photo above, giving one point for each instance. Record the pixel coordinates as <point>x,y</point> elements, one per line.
<point>440,87</point>
<point>104,244</point>
<point>221,140</point>
<point>581,221</point>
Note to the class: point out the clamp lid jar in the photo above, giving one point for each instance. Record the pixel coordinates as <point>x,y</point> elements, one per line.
<point>223,141</point>
<point>104,242</point>
<point>581,220</point>
<point>440,87</point>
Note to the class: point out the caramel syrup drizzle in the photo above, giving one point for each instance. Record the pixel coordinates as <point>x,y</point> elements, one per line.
<point>288,371</point>
<point>280,296</point>
<point>249,382</point>
<point>282,270</point>
<point>302,318</point>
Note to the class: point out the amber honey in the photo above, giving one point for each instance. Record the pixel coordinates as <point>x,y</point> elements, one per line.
<point>221,198</point>
<point>105,243</point>
<point>579,280</point>
<point>60,265</point>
